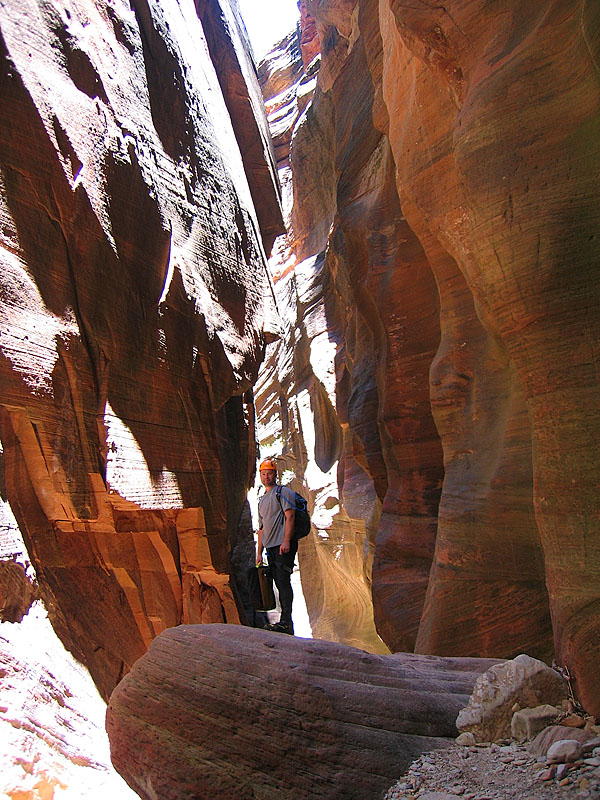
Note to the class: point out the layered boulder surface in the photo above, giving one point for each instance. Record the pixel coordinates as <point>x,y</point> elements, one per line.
<point>221,711</point>
<point>133,300</point>
<point>438,395</point>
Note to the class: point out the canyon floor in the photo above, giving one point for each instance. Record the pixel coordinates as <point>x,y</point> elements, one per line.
<point>493,772</point>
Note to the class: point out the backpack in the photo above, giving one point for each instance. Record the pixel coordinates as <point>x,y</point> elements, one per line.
<point>302,517</point>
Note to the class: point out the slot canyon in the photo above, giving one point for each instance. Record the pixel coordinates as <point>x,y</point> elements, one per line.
<point>374,255</point>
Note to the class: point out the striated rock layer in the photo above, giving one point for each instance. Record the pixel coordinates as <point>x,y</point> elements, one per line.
<point>132,312</point>
<point>215,711</point>
<point>442,401</point>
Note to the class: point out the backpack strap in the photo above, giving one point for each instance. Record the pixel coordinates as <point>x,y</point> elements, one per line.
<point>278,490</point>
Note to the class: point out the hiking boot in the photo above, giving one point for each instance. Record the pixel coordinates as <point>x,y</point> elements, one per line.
<point>282,627</point>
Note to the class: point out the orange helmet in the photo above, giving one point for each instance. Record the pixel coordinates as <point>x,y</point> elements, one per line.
<point>268,463</point>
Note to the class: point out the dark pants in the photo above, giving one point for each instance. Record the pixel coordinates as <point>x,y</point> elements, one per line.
<point>281,569</point>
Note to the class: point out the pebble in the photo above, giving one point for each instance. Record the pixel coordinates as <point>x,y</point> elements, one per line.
<point>546,774</point>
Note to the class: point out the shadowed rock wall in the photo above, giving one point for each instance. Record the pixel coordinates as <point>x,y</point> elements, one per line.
<point>442,182</point>
<point>133,301</point>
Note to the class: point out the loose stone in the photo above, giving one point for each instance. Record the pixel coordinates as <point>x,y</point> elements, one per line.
<point>565,750</point>
<point>546,774</point>
<point>591,744</point>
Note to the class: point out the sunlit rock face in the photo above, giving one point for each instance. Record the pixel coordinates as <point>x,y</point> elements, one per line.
<point>51,720</point>
<point>301,413</point>
<point>445,210</point>
<point>309,38</point>
<point>132,315</point>
<point>307,719</point>
<point>230,54</point>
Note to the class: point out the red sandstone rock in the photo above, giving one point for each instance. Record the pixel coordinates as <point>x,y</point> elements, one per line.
<point>369,244</point>
<point>132,315</point>
<point>17,592</point>
<point>217,711</point>
<point>229,52</point>
<point>555,733</point>
<point>309,39</point>
<point>493,148</point>
<point>489,119</point>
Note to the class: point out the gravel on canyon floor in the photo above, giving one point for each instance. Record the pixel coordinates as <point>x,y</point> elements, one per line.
<point>503,771</point>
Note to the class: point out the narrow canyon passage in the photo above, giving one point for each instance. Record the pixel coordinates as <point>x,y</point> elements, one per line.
<point>373,255</point>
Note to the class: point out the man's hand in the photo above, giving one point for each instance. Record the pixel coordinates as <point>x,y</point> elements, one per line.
<point>284,547</point>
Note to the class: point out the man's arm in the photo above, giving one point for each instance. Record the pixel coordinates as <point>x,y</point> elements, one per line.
<point>290,515</point>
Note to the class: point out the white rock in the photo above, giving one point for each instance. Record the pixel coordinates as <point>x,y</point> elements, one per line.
<point>466,739</point>
<point>523,680</point>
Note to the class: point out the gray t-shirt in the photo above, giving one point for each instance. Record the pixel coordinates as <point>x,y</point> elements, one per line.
<point>271,516</point>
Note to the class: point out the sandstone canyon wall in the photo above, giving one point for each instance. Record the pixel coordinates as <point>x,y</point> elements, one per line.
<point>134,305</point>
<point>434,386</point>
<point>437,390</point>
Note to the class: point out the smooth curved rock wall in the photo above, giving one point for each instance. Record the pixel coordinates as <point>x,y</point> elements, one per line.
<point>458,242</point>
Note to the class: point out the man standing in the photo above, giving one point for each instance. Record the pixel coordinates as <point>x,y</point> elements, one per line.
<point>276,514</point>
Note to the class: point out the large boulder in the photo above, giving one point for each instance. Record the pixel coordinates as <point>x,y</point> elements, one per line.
<point>523,681</point>
<point>217,711</point>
